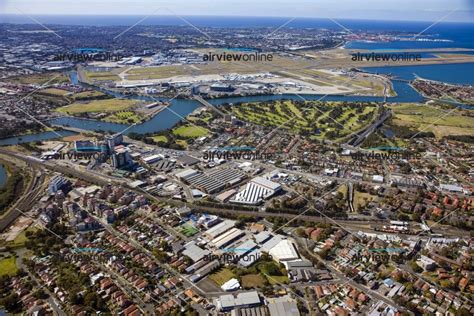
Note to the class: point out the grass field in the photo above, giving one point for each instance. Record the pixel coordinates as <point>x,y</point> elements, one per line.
<point>343,190</point>
<point>8,266</point>
<point>98,106</point>
<point>54,91</point>
<point>190,131</point>
<point>221,276</point>
<point>430,118</point>
<point>101,76</point>
<point>331,120</point>
<point>252,281</point>
<point>278,279</point>
<point>21,238</point>
<point>361,199</point>
<point>159,139</point>
<point>123,117</point>
<point>88,95</point>
<point>182,142</point>
<point>188,230</point>
<point>41,78</point>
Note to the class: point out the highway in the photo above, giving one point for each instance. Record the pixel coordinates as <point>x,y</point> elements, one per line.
<point>356,141</point>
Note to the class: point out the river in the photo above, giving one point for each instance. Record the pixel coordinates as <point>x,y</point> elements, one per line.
<point>3,176</point>
<point>180,108</point>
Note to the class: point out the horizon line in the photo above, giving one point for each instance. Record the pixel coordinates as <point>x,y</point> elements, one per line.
<point>237,16</point>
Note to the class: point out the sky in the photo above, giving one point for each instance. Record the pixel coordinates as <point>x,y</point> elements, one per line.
<point>409,10</point>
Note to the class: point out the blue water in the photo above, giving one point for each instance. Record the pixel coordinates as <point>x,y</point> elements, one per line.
<point>33,137</point>
<point>460,33</point>
<point>451,73</point>
<point>3,176</point>
<point>167,118</point>
<point>179,108</point>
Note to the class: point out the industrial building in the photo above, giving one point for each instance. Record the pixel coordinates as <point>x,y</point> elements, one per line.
<point>256,191</point>
<point>205,270</point>
<point>231,285</point>
<point>250,258</point>
<point>194,252</point>
<point>227,237</point>
<point>213,181</point>
<point>152,159</point>
<point>285,250</point>
<point>263,237</point>
<point>283,306</point>
<point>185,174</point>
<point>242,300</point>
<point>219,229</point>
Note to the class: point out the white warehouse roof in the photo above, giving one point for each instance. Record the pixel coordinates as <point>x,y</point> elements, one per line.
<point>232,284</point>
<point>284,250</point>
<point>220,228</point>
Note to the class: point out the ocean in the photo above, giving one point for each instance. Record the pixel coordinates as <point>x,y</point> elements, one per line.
<point>461,34</point>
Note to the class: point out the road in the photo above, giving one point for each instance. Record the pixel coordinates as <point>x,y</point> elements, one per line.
<point>102,180</point>
<point>347,280</point>
<point>52,300</point>
<point>356,141</point>
<point>137,245</point>
<point>126,287</point>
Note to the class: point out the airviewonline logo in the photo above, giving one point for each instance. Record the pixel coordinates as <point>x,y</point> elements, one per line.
<point>385,153</point>
<point>87,54</point>
<point>231,255</point>
<point>385,57</point>
<point>238,56</point>
<point>237,153</point>
<point>85,153</point>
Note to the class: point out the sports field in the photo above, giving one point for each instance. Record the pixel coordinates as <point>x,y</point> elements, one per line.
<point>190,131</point>
<point>188,230</point>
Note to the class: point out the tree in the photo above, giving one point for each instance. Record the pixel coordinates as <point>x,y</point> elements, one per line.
<point>324,253</point>
<point>300,232</point>
<point>11,303</point>
<point>415,267</point>
<point>463,311</point>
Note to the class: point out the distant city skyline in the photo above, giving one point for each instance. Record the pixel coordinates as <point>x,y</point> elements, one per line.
<point>402,10</point>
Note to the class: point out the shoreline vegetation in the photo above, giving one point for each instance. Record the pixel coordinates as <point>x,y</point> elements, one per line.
<point>12,188</point>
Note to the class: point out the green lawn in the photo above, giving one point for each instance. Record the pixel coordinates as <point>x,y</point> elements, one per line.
<point>159,139</point>
<point>441,122</point>
<point>54,91</point>
<point>88,95</point>
<point>188,230</point>
<point>101,76</point>
<point>98,106</point>
<point>278,279</point>
<point>308,117</point>
<point>8,266</point>
<point>20,239</point>
<point>190,131</point>
<point>182,142</point>
<point>39,79</point>
<point>221,276</point>
<point>123,117</point>
<point>361,199</point>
